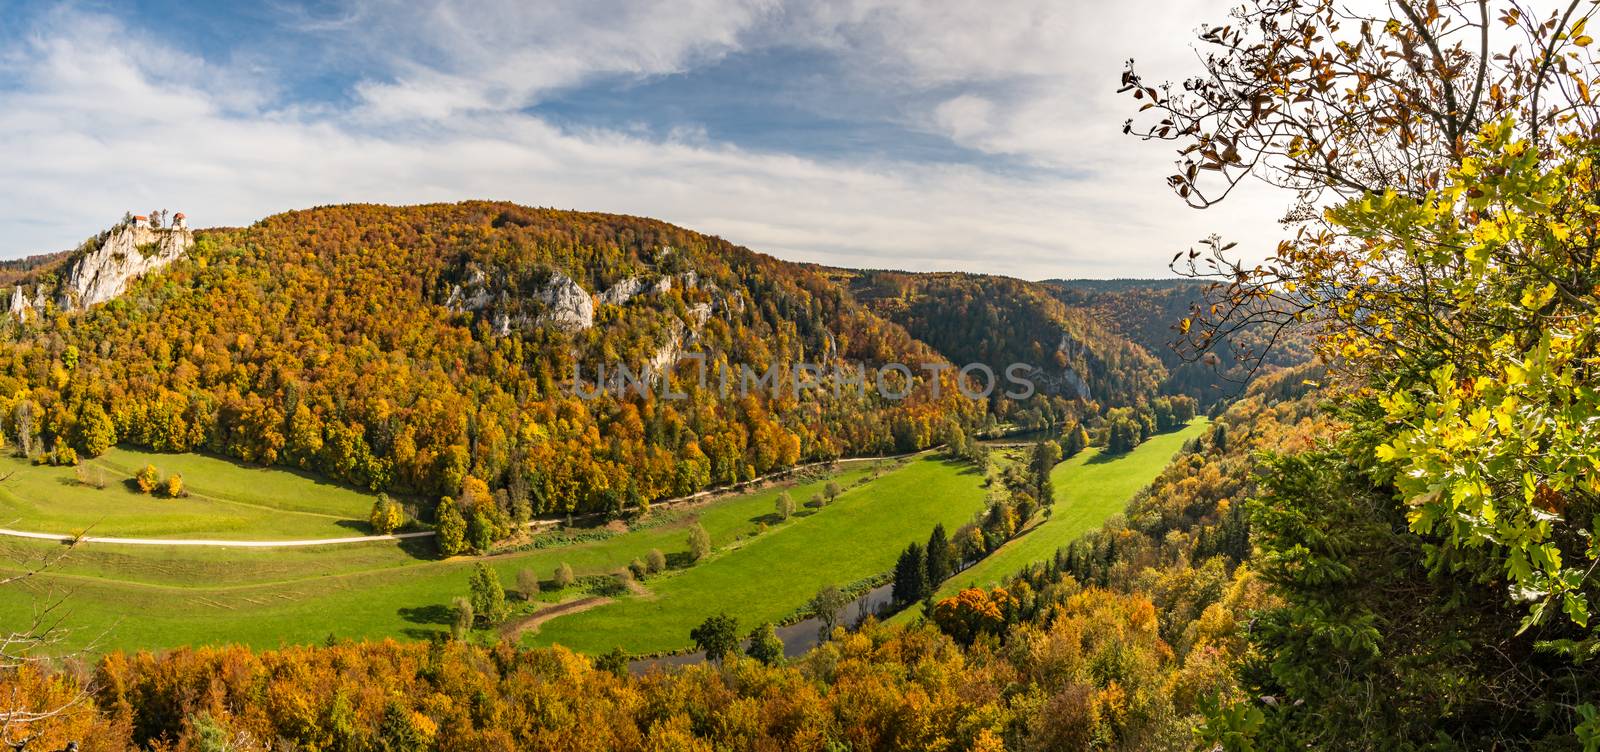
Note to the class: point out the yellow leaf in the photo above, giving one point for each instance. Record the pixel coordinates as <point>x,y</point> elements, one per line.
<point>1535,299</point>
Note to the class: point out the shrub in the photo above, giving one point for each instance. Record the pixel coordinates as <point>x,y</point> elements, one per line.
<point>656,561</point>
<point>148,478</point>
<point>527,584</point>
<point>174,487</point>
<point>699,542</point>
<point>638,568</point>
<point>564,576</point>
<point>461,624</point>
<point>387,516</point>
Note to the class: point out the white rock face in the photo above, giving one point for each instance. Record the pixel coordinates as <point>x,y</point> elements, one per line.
<point>474,295</point>
<point>563,303</point>
<point>1070,377</point>
<point>632,287</point>
<point>568,306</point>
<point>20,307</point>
<point>128,253</point>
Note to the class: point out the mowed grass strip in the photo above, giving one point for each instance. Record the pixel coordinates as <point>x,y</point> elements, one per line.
<point>766,579</point>
<point>1090,487</point>
<point>152,597</point>
<point>42,498</point>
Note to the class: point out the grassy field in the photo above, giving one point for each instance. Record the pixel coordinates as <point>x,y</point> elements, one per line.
<point>134,597</point>
<point>226,500</point>
<point>766,579</point>
<point>1090,487</point>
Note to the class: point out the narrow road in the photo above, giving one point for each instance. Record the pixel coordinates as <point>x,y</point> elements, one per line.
<point>665,503</point>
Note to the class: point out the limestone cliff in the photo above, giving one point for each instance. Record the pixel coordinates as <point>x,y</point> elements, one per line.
<point>129,252</point>
<point>103,267</point>
<point>558,302</point>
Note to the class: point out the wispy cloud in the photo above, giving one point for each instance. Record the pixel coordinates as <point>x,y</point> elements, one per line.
<point>100,118</point>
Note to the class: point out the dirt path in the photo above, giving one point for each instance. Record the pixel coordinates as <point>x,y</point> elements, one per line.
<point>515,627</point>
<point>534,525</point>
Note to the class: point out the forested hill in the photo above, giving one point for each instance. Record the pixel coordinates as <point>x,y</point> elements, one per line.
<point>407,348</point>
<point>1147,311</point>
<point>997,321</point>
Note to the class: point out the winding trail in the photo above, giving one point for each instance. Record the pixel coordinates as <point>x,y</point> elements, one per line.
<point>534,525</point>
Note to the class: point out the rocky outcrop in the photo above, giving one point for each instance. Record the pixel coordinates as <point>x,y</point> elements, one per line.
<point>567,306</point>
<point>102,268</point>
<point>129,252</point>
<point>20,305</point>
<point>558,302</point>
<point>632,287</point>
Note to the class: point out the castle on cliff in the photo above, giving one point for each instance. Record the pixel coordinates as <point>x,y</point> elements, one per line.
<point>104,265</point>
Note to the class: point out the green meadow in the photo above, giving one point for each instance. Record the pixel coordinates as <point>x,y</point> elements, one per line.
<point>768,578</point>
<point>1089,488</point>
<point>148,597</point>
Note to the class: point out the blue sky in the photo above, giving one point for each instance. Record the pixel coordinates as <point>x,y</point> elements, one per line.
<point>915,135</point>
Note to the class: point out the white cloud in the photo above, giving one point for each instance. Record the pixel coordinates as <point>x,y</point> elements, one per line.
<point>101,122</point>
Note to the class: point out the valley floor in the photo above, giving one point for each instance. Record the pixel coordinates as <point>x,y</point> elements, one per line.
<point>761,569</point>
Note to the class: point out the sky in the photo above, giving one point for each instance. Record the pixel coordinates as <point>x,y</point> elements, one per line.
<point>918,135</point>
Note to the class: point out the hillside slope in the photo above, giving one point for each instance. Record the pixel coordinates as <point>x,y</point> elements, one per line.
<point>997,321</point>
<point>410,347</point>
<point>1148,311</point>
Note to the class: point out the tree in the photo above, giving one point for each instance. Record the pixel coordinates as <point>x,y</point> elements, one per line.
<point>450,528</point>
<point>387,515</point>
<point>784,506</point>
<point>564,577</point>
<point>832,490</point>
<point>699,542</point>
<point>955,440</point>
<point>1075,439</point>
<point>910,575</point>
<point>23,420</point>
<point>527,584</point>
<point>718,636</point>
<point>656,561</point>
<point>399,731</point>
<point>825,607</point>
<point>480,531</point>
<point>973,612</point>
<point>96,432</point>
<point>765,645</point>
<point>939,557</point>
<point>1045,456</point>
<point>614,662</point>
<point>1450,159</point>
<point>148,478</point>
<point>488,597</point>
<point>461,618</point>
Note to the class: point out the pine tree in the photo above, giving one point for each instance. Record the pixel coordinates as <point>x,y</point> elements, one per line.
<point>910,575</point>
<point>939,557</point>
